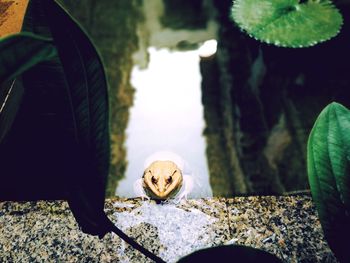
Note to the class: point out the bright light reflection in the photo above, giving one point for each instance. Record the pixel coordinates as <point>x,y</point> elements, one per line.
<point>208,48</point>
<point>167,114</point>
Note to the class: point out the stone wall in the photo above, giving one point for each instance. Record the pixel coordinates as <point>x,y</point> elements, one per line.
<point>268,99</point>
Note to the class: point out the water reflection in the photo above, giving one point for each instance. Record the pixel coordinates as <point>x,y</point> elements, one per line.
<point>181,229</point>
<point>167,115</point>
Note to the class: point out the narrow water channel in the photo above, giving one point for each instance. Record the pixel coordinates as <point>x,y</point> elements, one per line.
<point>167,115</point>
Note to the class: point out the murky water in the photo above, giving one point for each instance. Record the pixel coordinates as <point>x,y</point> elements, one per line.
<point>167,115</point>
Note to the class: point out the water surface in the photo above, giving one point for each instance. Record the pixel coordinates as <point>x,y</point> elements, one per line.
<point>167,115</point>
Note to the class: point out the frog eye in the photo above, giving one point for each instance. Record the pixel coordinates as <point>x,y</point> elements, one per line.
<point>154,180</point>
<point>146,172</point>
<point>169,180</point>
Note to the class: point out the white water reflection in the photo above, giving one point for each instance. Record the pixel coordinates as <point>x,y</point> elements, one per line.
<point>167,114</point>
<point>177,230</point>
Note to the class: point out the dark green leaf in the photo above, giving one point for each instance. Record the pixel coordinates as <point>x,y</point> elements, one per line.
<point>78,82</point>
<point>18,53</point>
<point>288,23</point>
<point>329,177</point>
<point>233,253</point>
<point>62,124</point>
<point>11,93</point>
<point>61,135</point>
<point>22,51</point>
<point>87,91</point>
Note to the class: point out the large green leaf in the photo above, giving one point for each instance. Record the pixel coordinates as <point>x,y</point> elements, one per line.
<point>20,52</point>
<point>87,92</point>
<point>288,23</point>
<point>329,175</point>
<point>61,133</point>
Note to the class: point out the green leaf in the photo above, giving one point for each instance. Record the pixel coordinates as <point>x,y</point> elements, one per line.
<point>11,94</point>
<point>62,125</point>
<point>288,23</point>
<point>61,133</point>
<point>19,52</point>
<point>328,159</point>
<point>61,129</point>
<point>86,88</point>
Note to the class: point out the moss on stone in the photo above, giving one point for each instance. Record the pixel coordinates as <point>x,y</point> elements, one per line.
<point>184,14</point>
<point>221,179</point>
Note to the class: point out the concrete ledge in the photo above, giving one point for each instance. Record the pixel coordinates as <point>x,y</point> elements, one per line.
<point>46,231</point>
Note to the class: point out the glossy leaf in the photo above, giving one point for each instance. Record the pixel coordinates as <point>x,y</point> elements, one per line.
<point>329,175</point>
<point>288,23</point>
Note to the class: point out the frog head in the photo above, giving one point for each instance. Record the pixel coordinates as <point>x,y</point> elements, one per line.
<point>162,179</point>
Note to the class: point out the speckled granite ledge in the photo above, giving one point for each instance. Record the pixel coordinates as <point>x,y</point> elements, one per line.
<point>47,232</point>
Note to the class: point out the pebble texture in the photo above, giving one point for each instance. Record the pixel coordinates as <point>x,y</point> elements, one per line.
<point>45,231</point>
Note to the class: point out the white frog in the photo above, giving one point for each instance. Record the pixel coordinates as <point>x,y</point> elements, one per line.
<point>167,176</point>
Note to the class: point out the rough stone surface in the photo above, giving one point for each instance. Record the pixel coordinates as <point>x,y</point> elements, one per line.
<point>45,231</point>
<point>285,226</point>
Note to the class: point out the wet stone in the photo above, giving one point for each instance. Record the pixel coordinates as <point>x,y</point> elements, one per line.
<point>46,231</point>
<point>173,230</point>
